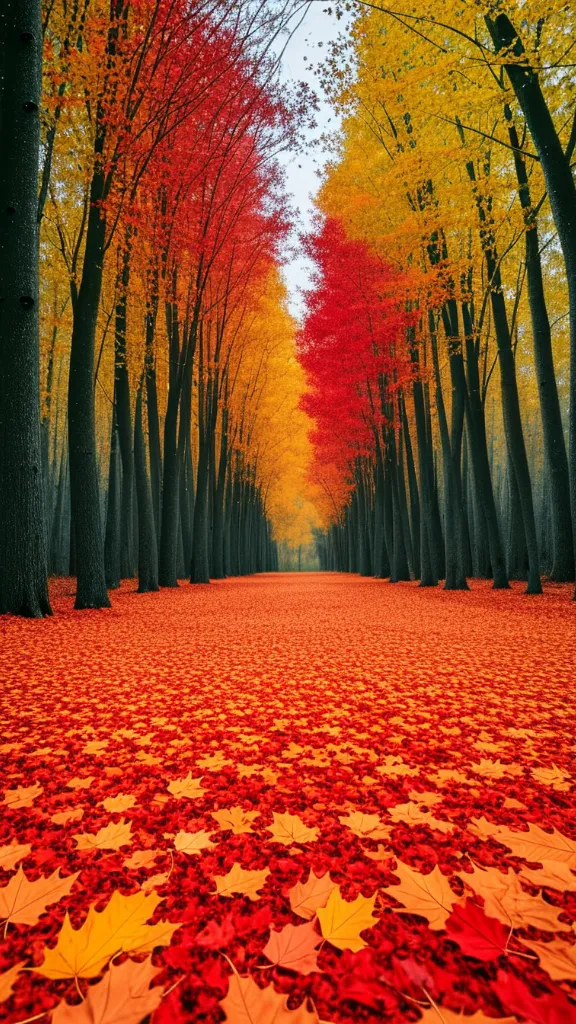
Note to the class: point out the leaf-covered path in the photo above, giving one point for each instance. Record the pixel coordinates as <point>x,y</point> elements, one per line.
<point>359,796</point>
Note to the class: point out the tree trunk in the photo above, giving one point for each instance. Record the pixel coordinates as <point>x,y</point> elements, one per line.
<point>147,545</point>
<point>23,558</point>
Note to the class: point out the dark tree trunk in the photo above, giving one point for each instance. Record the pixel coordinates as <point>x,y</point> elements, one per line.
<point>113,513</point>
<point>23,558</point>
<point>124,417</point>
<point>557,170</point>
<point>147,545</point>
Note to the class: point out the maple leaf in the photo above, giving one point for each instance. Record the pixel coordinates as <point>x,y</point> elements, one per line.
<point>505,899</point>
<point>307,897</point>
<point>341,922</point>
<point>236,819</point>
<point>554,776</point>
<point>12,853</point>
<point>553,1008</point>
<point>22,901</point>
<point>557,958</point>
<point>294,947</point>
<point>142,858</point>
<point>187,787</point>
<point>412,814</point>
<point>22,796</point>
<point>110,837</point>
<point>213,762</point>
<point>193,842</point>
<point>381,853</point>
<point>553,875</point>
<point>537,845</point>
<point>123,996</point>
<point>122,802</point>
<point>289,828</point>
<point>366,826</point>
<point>63,817</point>
<point>78,783</point>
<point>495,769</point>
<point>119,928</point>
<point>246,1003</point>
<point>429,896</point>
<point>394,770</point>
<point>8,979</point>
<point>155,881</point>
<point>477,935</point>
<point>246,883</point>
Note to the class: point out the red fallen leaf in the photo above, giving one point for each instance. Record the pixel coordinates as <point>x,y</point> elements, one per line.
<point>217,936</point>
<point>551,1008</point>
<point>477,934</point>
<point>294,947</point>
<point>360,980</point>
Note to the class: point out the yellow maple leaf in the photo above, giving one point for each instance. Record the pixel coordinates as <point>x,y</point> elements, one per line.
<point>22,796</point>
<point>554,776</point>
<point>552,874</point>
<point>78,783</point>
<point>505,899</point>
<point>495,769</point>
<point>187,787</point>
<point>366,826</point>
<point>119,928</point>
<point>22,901</point>
<point>246,1003</point>
<point>536,845</point>
<point>193,842</point>
<point>12,853</point>
<point>238,880</point>
<point>341,922</point>
<point>236,820</point>
<point>63,817</point>
<point>557,958</point>
<point>8,979</point>
<point>289,828</point>
<point>122,802</point>
<point>123,995</point>
<point>411,814</point>
<point>155,881</point>
<point>142,858</point>
<point>429,896</point>
<point>111,837</point>
<point>306,897</point>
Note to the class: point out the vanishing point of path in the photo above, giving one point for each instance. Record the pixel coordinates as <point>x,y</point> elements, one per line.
<point>290,725</point>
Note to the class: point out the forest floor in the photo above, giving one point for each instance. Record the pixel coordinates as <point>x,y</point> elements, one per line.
<point>290,799</point>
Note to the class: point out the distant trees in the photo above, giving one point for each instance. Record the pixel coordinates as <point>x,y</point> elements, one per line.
<point>161,210</point>
<point>454,168</point>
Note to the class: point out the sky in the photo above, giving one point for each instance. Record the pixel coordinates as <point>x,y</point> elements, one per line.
<point>302,168</point>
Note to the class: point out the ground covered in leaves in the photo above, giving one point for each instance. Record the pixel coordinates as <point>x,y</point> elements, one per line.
<point>290,799</point>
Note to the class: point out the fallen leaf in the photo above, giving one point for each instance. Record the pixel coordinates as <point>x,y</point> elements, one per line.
<point>63,817</point>
<point>119,803</point>
<point>142,858</point>
<point>193,842</point>
<point>478,935</point>
<point>78,783</point>
<point>411,814</point>
<point>294,947</point>
<point>187,787</point>
<point>557,958</point>
<point>246,1003</point>
<point>123,996</point>
<point>119,928</point>
<point>22,901</point>
<point>366,826</point>
<point>552,875</point>
<point>554,777</point>
<point>429,896</point>
<point>111,837</point>
<point>307,897</point>
<point>22,796</point>
<point>8,980</point>
<point>289,828</point>
<point>12,853</point>
<point>236,820</point>
<point>341,922</point>
<point>245,883</point>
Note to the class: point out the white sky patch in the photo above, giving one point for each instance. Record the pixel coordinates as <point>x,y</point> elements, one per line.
<point>302,168</point>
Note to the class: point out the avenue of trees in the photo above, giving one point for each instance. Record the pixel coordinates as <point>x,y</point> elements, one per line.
<point>440,335</point>
<point>148,386</point>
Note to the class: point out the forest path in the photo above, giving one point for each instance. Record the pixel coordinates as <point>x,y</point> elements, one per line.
<point>387,720</point>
